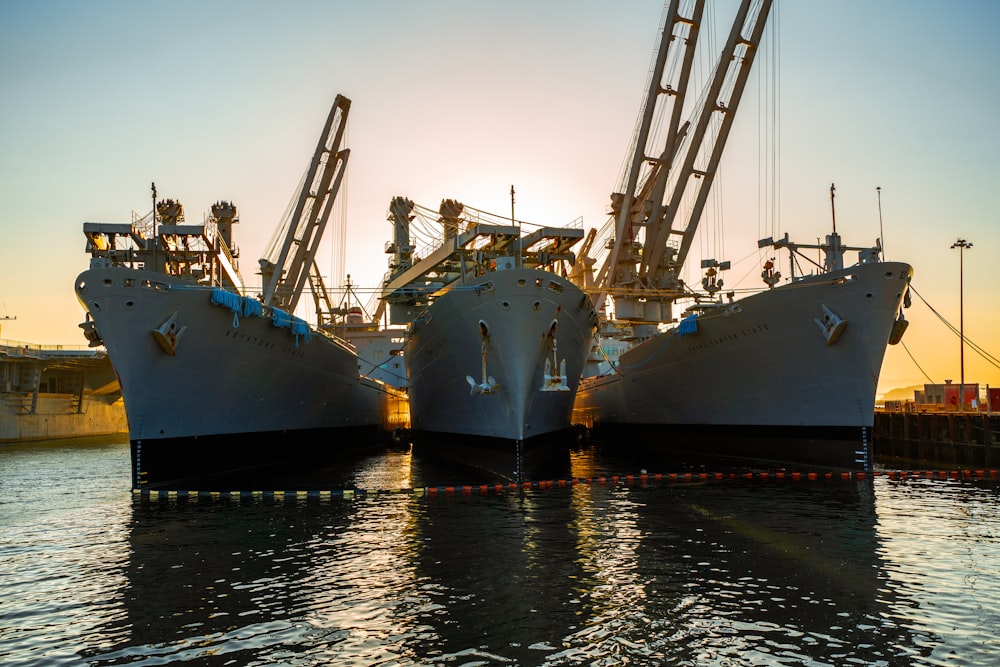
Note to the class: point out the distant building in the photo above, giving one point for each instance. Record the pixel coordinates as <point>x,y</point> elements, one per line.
<point>946,397</point>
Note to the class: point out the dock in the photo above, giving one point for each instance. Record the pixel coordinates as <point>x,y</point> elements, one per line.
<point>52,392</point>
<point>938,439</point>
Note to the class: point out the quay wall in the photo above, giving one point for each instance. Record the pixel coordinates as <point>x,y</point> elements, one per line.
<point>56,417</point>
<point>938,439</point>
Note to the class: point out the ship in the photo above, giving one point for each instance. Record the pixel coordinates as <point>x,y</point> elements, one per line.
<point>57,392</point>
<point>786,374</point>
<point>496,333</point>
<point>215,378</point>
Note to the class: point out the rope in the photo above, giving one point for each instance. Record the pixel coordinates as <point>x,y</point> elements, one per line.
<point>975,348</point>
<point>929,380</point>
<point>230,300</point>
<point>296,325</point>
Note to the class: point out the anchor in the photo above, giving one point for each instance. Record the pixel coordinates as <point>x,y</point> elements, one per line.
<point>90,332</point>
<point>488,385</point>
<point>168,335</point>
<point>554,382</point>
<point>831,325</point>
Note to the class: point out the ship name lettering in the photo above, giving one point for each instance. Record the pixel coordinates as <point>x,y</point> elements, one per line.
<point>749,331</point>
<point>240,336</point>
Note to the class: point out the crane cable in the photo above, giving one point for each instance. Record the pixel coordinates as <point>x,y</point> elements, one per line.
<point>975,348</point>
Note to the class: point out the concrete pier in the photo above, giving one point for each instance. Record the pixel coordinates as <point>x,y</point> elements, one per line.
<point>49,392</point>
<point>938,439</point>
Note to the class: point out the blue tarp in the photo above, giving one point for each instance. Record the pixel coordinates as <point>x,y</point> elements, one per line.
<point>689,325</point>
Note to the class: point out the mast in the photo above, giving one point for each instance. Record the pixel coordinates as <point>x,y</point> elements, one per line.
<point>833,209</point>
<point>152,186</point>
<point>512,221</point>
<point>881,233</point>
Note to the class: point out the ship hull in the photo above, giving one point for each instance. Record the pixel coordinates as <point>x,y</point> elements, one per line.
<point>760,379</point>
<point>503,320</point>
<point>233,392</point>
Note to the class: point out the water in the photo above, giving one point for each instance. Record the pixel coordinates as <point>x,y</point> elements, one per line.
<point>736,572</point>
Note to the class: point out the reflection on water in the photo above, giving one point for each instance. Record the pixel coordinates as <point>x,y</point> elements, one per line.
<point>733,572</point>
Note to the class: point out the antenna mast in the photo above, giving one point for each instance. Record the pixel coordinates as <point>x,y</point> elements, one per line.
<point>833,211</point>
<point>881,235</point>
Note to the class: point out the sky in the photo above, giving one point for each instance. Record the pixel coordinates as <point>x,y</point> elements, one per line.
<point>225,100</point>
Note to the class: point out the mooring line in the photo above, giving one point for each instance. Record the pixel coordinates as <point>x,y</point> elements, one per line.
<point>643,479</point>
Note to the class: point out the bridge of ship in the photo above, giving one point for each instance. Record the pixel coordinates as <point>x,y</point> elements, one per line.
<point>477,250</point>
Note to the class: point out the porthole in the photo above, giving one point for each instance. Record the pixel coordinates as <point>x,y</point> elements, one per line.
<point>95,305</point>
<point>536,305</point>
<point>869,296</point>
<point>889,275</point>
<point>130,304</point>
<point>505,305</point>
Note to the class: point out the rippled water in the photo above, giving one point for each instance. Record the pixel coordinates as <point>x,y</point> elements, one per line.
<point>736,572</point>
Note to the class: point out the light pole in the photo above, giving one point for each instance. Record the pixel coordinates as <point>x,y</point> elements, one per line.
<point>961,244</point>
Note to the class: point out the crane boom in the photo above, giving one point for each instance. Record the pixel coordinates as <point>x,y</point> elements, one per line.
<point>626,203</point>
<point>643,276</point>
<point>732,67</point>
<point>285,278</point>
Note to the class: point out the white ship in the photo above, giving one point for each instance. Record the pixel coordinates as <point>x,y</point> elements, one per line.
<point>787,374</point>
<point>213,378</point>
<point>496,337</point>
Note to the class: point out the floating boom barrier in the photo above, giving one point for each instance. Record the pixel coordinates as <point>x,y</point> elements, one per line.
<point>642,480</point>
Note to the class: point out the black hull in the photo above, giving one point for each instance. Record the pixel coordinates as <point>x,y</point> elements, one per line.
<point>486,459</point>
<point>812,447</point>
<point>242,461</point>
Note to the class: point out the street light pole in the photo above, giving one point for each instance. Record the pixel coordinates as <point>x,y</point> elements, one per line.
<point>961,244</point>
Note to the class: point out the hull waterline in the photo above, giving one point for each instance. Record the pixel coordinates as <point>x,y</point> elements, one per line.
<point>764,377</point>
<point>233,391</point>
<point>496,363</point>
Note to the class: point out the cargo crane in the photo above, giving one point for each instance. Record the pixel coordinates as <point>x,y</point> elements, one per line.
<point>651,242</point>
<point>787,373</point>
<point>287,268</point>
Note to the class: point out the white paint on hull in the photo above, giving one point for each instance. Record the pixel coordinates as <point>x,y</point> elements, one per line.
<point>228,374</point>
<point>763,361</point>
<point>517,307</point>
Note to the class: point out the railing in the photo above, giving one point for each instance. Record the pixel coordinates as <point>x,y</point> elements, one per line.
<point>16,348</point>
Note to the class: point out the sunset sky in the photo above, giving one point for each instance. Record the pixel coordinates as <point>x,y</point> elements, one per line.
<point>225,99</point>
